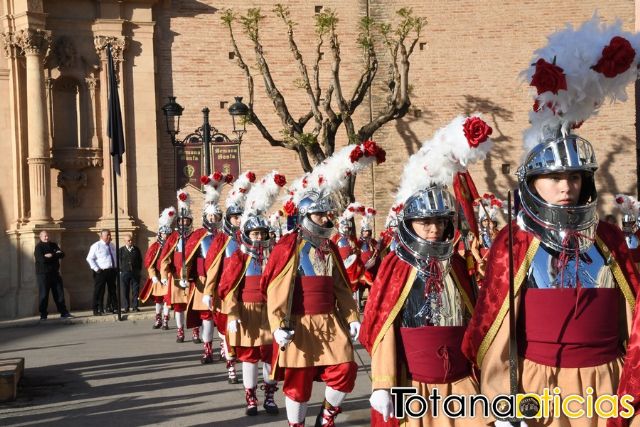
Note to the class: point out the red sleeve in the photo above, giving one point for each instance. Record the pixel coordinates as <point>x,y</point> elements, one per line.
<point>232,272</point>
<point>151,255</point>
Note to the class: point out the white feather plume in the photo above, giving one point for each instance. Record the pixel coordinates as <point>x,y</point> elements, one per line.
<point>241,187</point>
<point>577,51</point>
<point>167,217</point>
<point>262,195</point>
<point>184,202</point>
<point>628,205</point>
<point>439,158</point>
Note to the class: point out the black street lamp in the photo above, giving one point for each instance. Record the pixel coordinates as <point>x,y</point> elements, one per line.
<point>206,134</point>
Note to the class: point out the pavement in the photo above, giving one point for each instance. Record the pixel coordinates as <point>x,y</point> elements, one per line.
<point>98,371</point>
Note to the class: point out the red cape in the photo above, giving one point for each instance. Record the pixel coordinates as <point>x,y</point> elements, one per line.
<point>386,291</point>
<point>169,245</point>
<point>496,282</point>
<point>219,243</point>
<point>234,269</point>
<point>385,296</point>
<point>149,259</point>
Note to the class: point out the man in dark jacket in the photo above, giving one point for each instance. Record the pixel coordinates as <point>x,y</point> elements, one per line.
<point>48,255</point>
<point>130,265</point>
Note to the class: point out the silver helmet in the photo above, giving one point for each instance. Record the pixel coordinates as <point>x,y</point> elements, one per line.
<point>211,209</point>
<point>435,201</point>
<point>315,202</point>
<point>227,227</point>
<point>255,247</point>
<point>554,225</point>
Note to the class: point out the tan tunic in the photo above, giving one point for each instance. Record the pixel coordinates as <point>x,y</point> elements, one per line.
<point>535,377</point>
<point>384,366</point>
<point>157,289</point>
<point>319,339</point>
<point>253,330</point>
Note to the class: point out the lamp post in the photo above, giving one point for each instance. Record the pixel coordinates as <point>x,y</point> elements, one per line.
<point>206,134</point>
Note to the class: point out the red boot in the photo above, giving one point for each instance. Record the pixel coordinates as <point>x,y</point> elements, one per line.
<point>180,335</point>
<point>231,371</point>
<point>158,322</point>
<point>165,322</point>
<point>252,401</point>
<point>327,415</point>
<point>207,356</point>
<point>195,335</point>
<point>269,403</point>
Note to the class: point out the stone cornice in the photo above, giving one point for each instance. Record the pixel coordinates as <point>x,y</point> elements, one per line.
<point>118,45</point>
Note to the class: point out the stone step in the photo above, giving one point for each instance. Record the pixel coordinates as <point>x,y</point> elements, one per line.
<point>11,371</point>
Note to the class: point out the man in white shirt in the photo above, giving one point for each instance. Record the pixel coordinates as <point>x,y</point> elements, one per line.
<point>102,260</point>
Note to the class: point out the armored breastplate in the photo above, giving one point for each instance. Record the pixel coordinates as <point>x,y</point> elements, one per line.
<point>443,308</point>
<point>309,264</point>
<point>485,240</point>
<point>232,246</point>
<point>179,245</point>
<point>364,245</point>
<point>255,268</point>
<point>632,241</point>
<point>205,244</point>
<point>546,270</point>
<point>422,265</point>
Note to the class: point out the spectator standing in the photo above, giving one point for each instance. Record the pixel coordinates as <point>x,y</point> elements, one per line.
<point>130,265</point>
<point>48,255</point>
<point>102,260</point>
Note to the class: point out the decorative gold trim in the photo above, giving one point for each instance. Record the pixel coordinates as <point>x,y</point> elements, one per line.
<point>463,293</point>
<point>396,309</point>
<point>617,273</point>
<point>517,281</point>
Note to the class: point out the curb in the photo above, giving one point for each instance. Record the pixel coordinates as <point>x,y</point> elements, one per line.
<point>80,318</point>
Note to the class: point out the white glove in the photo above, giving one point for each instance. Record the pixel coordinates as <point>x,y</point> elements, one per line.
<point>164,282</point>
<point>381,401</point>
<point>500,423</point>
<point>206,300</point>
<point>154,279</point>
<point>184,283</point>
<point>232,325</point>
<point>282,337</point>
<point>354,330</point>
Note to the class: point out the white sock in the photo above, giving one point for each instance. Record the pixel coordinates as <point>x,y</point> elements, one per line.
<point>266,370</point>
<point>223,341</point>
<point>165,310</point>
<point>249,374</point>
<point>180,319</point>
<point>296,411</point>
<point>334,397</point>
<point>158,308</point>
<point>207,331</point>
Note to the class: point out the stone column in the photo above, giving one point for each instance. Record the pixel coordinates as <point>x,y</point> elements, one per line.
<point>34,43</point>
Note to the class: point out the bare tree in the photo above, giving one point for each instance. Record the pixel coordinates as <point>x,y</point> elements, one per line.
<point>313,135</point>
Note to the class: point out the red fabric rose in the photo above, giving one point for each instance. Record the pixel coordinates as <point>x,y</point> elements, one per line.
<point>616,58</point>
<point>356,154</point>
<point>619,200</point>
<point>280,180</point>
<point>204,180</point>
<point>217,176</point>
<point>182,197</point>
<point>370,148</point>
<point>361,209</point>
<point>476,131</point>
<point>251,176</point>
<point>371,211</point>
<point>320,180</point>
<point>171,213</point>
<point>305,182</point>
<point>289,208</point>
<point>351,209</point>
<point>242,190</point>
<point>548,78</point>
<point>228,178</point>
<point>381,155</point>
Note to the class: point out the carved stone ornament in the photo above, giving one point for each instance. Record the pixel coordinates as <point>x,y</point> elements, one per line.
<point>8,43</point>
<point>118,45</point>
<point>64,53</point>
<point>71,182</point>
<point>33,42</point>
<point>71,163</point>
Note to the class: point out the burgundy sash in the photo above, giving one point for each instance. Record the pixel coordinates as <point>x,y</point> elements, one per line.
<point>635,254</point>
<point>568,333</point>
<point>434,353</point>
<point>313,295</point>
<point>251,291</point>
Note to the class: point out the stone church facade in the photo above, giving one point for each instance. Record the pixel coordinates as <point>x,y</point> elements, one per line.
<point>55,171</point>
